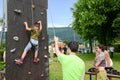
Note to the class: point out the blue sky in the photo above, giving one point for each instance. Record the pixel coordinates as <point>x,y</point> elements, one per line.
<point>59,13</point>
<point>1,8</point>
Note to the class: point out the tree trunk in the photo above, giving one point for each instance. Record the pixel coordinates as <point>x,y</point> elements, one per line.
<point>90,42</point>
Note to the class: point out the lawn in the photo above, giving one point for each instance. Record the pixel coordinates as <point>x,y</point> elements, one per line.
<point>55,69</point>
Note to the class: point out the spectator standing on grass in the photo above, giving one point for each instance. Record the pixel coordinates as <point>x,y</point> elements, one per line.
<point>109,62</point>
<point>111,51</point>
<point>100,63</point>
<point>73,67</point>
<point>54,54</point>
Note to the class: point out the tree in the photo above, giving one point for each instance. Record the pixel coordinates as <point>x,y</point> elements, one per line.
<point>97,18</point>
<point>1,21</point>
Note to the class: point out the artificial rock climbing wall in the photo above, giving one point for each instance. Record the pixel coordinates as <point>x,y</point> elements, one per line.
<point>17,38</point>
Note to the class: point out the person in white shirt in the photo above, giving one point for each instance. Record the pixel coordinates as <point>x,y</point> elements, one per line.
<point>111,51</point>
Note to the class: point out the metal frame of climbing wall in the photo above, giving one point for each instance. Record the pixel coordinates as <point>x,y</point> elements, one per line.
<point>17,38</point>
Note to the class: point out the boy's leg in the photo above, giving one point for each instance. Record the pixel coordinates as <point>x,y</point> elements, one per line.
<point>35,43</point>
<point>20,61</point>
<point>36,59</point>
<point>29,45</point>
<point>36,54</point>
<point>23,54</point>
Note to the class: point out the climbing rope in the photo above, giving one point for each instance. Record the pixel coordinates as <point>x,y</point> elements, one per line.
<point>32,17</point>
<point>53,27</point>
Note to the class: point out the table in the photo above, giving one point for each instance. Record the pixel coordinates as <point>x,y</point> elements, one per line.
<point>95,74</point>
<point>91,73</point>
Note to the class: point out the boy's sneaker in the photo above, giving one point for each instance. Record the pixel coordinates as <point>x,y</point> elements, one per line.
<point>36,60</point>
<point>19,61</point>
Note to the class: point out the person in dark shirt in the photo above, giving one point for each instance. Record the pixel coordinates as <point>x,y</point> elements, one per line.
<point>65,49</point>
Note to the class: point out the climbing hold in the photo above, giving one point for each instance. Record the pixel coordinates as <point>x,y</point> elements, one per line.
<point>13,50</point>
<point>45,56</point>
<point>45,47</point>
<point>16,38</point>
<point>29,73</point>
<point>42,75</point>
<point>33,6</point>
<point>17,11</point>
<point>43,38</point>
<point>42,13</point>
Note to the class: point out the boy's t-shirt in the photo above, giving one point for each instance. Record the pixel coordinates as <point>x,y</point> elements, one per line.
<point>35,32</point>
<point>72,66</point>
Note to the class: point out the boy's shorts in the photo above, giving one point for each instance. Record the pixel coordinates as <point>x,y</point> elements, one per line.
<point>31,43</point>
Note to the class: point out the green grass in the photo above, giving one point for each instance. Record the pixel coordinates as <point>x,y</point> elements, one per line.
<point>55,69</point>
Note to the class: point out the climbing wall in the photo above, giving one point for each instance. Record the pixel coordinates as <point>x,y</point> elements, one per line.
<point>17,38</point>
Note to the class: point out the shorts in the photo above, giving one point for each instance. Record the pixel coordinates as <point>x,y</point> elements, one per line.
<point>31,43</point>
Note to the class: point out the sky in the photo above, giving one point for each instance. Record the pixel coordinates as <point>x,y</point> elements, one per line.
<point>1,8</point>
<point>58,12</point>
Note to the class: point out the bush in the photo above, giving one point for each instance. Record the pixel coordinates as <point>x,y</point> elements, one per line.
<point>2,49</point>
<point>2,65</point>
<point>1,54</point>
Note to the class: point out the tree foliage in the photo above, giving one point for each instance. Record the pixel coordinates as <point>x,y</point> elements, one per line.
<point>97,19</point>
<point>1,21</point>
